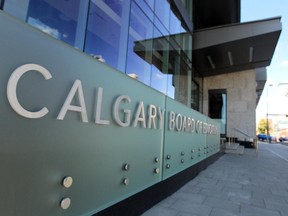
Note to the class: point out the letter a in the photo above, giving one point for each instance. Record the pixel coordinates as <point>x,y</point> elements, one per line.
<point>77,87</point>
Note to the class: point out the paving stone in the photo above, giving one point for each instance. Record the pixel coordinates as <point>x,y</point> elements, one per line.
<point>247,210</point>
<point>160,211</point>
<point>224,204</point>
<point>282,208</point>
<point>229,184</point>
<point>248,185</point>
<point>206,180</point>
<point>279,191</point>
<point>191,189</point>
<point>191,208</point>
<point>190,197</point>
<point>255,188</point>
<point>254,202</point>
<point>167,202</point>
<point>223,212</point>
<point>236,192</point>
<point>213,193</point>
<point>186,214</point>
<point>210,186</point>
<point>269,197</point>
<point>193,182</point>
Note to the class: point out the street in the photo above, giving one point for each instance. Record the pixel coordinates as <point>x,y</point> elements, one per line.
<point>278,149</point>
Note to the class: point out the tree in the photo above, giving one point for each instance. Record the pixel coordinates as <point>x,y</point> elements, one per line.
<point>262,126</point>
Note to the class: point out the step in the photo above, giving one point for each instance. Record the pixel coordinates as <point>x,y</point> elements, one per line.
<point>239,150</point>
<point>231,146</point>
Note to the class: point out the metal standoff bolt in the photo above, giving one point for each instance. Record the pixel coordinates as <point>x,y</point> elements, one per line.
<point>182,160</point>
<point>156,159</point>
<point>168,166</point>
<point>126,167</point>
<point>156,170</point>
<point>65,203</point>
<point>192,157</point>
<point>67,181</point>
<point>126,181</point>
<point>182,153</point>
<point>199,149</point>
<point>192,150</point>
<point>168,157</point>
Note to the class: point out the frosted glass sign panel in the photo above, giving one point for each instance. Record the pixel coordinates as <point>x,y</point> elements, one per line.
<point>187,135</point>
<point>78,134</point>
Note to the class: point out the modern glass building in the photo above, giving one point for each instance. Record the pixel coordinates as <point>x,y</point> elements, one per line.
<point>111,101</point>
<point>143,39</point>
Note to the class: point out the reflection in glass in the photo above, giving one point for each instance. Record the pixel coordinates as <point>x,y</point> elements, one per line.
<point>175,25</point>
<point>183,80</point>
<point>103,37</point>
<point>160,62</point>
<point>146,7</point>
<point>188,5</point>
<point>139,46</point>
<point>150,3</point>
<point>60,19</point>
<point>162,9</point>
<point>17,8</point>
<point>196,91</point>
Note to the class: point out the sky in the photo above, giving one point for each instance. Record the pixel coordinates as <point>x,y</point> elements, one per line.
<point>273,100</point>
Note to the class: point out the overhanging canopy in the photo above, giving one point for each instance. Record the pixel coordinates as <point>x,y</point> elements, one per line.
<point>235,47</point>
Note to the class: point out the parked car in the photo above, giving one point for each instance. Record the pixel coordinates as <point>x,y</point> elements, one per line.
<point>263,137</point>
<point>272,138</point>
<point>283,139</point>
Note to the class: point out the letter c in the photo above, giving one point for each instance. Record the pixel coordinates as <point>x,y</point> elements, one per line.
<point>12,86</point>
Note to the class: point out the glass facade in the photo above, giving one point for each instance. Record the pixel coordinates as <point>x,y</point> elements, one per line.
<point>64,20</point>
<point>140,45</point>
<point>143,38</point>
<point>106,31</point>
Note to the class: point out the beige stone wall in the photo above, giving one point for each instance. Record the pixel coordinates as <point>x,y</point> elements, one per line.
<point>241,100</point>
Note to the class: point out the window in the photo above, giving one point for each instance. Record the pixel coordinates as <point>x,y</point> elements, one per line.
<point>161,51</point>
<point>162,9</point>
<point>106,37</point>
<point>139,46</point>
<point>64,20</point>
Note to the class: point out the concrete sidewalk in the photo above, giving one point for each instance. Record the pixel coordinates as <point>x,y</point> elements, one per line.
<point>253,184</point>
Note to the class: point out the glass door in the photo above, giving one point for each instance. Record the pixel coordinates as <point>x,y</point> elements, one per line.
<point>218,108</point>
